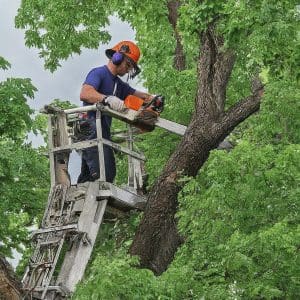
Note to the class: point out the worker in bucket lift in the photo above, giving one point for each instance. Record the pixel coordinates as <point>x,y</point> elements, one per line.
<point>104,85</point>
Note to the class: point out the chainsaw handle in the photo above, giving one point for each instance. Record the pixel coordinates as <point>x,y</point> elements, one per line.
<point>147,104</point>
<point>153,101</point>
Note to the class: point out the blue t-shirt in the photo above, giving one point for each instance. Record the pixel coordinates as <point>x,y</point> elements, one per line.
<point>104,82</point>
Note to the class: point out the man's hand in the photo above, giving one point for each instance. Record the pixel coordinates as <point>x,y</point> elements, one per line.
<point>115,103</point>
<point>148,98</point>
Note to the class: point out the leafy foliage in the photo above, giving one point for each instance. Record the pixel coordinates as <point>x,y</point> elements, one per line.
<point>13,93</point>
<point>259,31</point>
<point>62,104</point>
<point>244,224</point>
<point>4,64</point>
<point>59,28</point>
<point>278,120</point>
<point>24,188</point>
<point>23,169</point>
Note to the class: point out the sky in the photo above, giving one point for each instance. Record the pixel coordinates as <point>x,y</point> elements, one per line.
<point>65,83</point>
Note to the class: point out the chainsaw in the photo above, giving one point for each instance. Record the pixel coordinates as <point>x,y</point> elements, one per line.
<point>156,104</point>
<point>148,112</point>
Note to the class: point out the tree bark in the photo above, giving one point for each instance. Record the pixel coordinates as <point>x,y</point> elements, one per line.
<point>157,239</point>
<point>10,286</point>
<point>179,57</point>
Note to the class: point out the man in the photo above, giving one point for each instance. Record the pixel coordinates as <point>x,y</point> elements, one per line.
<point>103,84</point>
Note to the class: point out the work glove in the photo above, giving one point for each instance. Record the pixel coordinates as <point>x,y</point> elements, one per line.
<point>115,103</point>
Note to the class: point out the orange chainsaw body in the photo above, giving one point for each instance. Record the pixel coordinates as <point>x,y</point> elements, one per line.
<point>133,102</point>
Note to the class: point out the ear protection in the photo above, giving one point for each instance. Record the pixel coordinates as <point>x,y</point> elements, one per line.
<point>117,58</point>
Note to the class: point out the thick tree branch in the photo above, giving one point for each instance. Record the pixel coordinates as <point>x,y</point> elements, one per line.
<point>216,65</point>
<point>179,59</point>
<point>223,68</point>
<point>205,103</point>
<point>245,107</point>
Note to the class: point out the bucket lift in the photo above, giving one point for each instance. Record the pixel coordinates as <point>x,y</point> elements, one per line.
<point>73,215</point>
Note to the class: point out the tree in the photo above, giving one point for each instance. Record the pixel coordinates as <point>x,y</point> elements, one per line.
<point>239,217</point>
<point>221,48</point>
<point>23,170</point>
<point>23,176</point>
<point>10,285</point>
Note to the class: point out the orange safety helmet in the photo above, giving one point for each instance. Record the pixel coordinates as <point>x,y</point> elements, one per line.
<point>130,50</point>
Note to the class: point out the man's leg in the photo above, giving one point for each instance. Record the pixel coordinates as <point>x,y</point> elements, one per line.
<point>85,173</point>
<point>110,164</point>
<point>91,157</point>
<point>92,160</point>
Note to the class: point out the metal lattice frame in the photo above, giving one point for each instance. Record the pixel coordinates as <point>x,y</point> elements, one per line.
<point>73,214</point>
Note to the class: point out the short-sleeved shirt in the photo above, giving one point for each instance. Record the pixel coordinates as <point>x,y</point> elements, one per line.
<point>104,82</point>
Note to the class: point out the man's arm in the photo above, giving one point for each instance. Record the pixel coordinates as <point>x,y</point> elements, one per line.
<point>90,95</point>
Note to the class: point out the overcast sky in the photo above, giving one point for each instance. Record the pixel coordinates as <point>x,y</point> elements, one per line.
<point>64,83</point>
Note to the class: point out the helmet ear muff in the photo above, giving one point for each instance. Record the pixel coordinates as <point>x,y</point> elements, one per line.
<point>117,58</point>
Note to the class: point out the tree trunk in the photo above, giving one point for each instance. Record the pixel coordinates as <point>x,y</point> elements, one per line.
<point>157,239</point>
